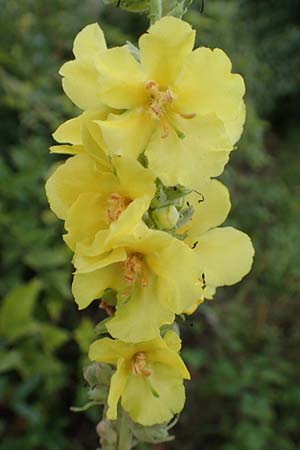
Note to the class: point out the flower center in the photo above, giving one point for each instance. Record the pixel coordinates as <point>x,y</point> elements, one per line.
<point>140,365</point>
<point>159,108</point>
<point>133,269</point>
<point>159,104</point>
<point>116,204</point>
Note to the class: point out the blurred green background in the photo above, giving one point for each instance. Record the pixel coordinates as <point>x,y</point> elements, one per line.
<point>243,348</point>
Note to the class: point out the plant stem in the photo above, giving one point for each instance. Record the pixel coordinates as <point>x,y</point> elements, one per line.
<point>155,10</point>
<point>124,433</point>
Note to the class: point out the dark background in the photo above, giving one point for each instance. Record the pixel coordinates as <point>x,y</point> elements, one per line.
<point>243,347</point>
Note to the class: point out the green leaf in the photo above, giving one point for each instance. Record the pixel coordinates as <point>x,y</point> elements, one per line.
<point>16,311</point>
<point>52,336</point>
<point>84,334</point>
<point>9,360</point>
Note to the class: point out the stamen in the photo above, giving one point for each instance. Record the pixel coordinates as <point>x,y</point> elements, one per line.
<point>116,205</point>
<point>159,100</point>
<point>133,268</point>
<point>139,365</point>
<point>166,128</point>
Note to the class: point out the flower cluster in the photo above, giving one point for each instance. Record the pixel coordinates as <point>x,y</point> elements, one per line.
<point>142,213</point>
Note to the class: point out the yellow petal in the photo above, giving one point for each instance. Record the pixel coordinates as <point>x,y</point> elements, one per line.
<point>206,85</point>
<point>80,75</point>
<point>107,350</point>
<point>139,317</point>
<point>164,48</point>
<point>135,180</point>
<point>127,134</point>
<point>85,218</point>
<point>211,207</point>
<point>126,223</point>
<point>80,83</point>
<point>124,232</point>
<point>171,359</point>
<point>121,80</point>
<point>117,385</point>
<point>89,42</point>
<point>86,264</point>
<point>70,131</point>
<point>69,180</point>
<point>172,340</point>
<point>67,149</point>
<point>90,286</point>
<point>188,161</point>
<point>226,255</point>
<point>143,406</point>
<point>178,272</point>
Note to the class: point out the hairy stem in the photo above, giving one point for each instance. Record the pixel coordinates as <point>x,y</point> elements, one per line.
<point>155,10</point>
<point>124,433</point>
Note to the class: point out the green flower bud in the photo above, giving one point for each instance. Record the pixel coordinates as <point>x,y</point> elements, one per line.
<point>166,218</point>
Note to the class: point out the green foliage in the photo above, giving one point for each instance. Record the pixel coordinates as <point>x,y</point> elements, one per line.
<point>242,348</point>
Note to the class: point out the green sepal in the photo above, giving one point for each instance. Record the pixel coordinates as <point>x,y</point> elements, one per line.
<point>100,328</point>
<point>110,297</point>
<point>85,407</point>
<point>152,435</point>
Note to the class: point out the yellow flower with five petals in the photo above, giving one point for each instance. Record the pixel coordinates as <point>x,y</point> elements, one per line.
<point>183,108</point>
<point>155,276</point>
<point>148,377</point>
<point>96,203</point>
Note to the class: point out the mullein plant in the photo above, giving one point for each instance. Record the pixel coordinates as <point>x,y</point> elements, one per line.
<point>142,210</point>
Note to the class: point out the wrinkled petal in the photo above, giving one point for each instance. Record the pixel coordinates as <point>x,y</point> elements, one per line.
<point>154,399</point>
<point>226,255</point>
<point>164,48</point>
<point>127,134</point>
<point>188,160</point>
<point>121,80</point>
<point>206,85</point>
<point>90,286</point>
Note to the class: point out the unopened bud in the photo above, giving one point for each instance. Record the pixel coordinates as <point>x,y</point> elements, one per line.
<point>166,218</point>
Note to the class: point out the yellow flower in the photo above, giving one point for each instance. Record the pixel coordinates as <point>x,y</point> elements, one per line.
<point>154,275</point>
<point>97,204</point>
<point>225,254</point>
<point>183,108</point>
<point>148,377</point>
